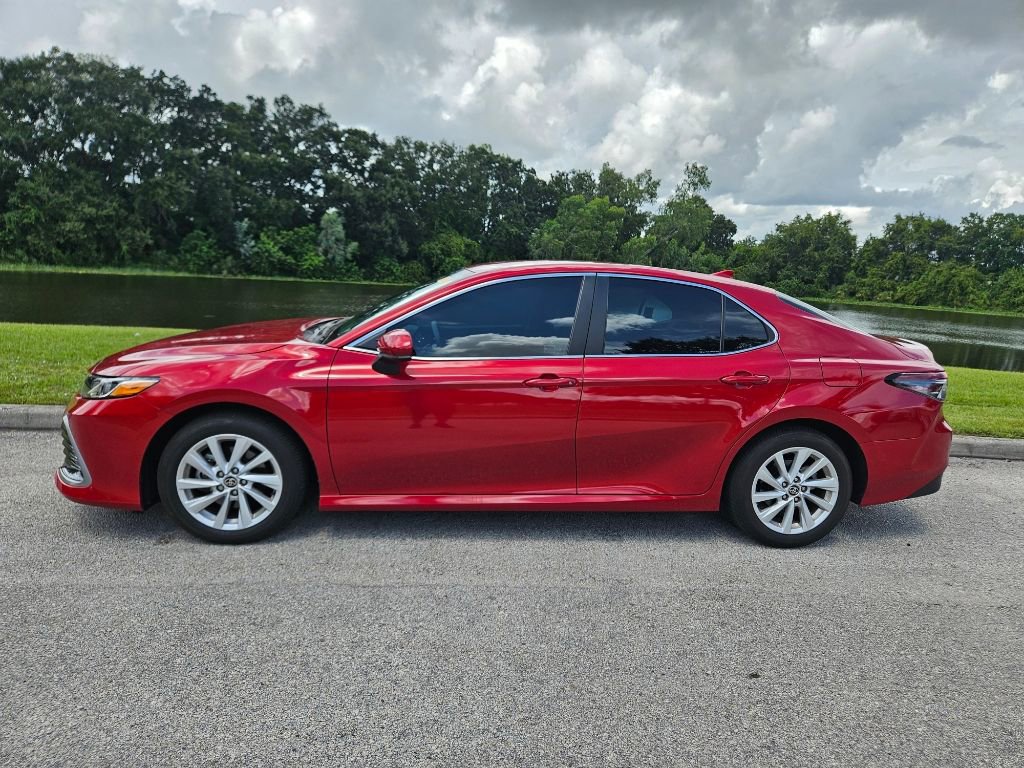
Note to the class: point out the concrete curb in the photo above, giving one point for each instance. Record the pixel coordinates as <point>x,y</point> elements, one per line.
<point>968,446</point>
<point>31,416</point>
<point>965,446</point>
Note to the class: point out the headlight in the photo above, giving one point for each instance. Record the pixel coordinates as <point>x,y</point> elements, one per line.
<point>109,387</point>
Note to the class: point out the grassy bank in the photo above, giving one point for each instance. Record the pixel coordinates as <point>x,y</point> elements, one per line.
<point>148,271</point>
<point>986,402</point>
<point>44,364</point>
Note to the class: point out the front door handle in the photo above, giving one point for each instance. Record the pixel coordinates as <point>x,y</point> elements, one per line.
<point>549,382</point>
<point>745,379</point>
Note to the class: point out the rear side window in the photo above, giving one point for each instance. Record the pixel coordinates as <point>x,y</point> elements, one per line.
<point>513,318</point>
<point>654,317</point>
<point>741,329</point>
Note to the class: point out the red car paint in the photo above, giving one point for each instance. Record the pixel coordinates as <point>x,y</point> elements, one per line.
<point>584,432</point>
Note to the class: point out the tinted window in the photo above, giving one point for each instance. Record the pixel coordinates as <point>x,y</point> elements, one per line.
<point>652,317</point>
<point>515,318</point>
<point>742,329</point>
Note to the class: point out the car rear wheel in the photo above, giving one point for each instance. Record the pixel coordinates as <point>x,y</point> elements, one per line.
<point>232,478</point>
<point>790,489</point>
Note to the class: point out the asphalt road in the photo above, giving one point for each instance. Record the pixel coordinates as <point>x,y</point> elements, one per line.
<point>523,639</point>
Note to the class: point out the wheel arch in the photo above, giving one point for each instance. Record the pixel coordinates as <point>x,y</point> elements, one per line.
<point>149,494</point>
<point>846,442</point>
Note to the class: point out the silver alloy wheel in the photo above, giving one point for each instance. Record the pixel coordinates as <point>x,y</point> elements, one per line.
<point>229,482</point>
<point>795,490</point>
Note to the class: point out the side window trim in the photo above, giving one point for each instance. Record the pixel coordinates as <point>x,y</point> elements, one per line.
<point>599,318</point>
<point>581,307</point>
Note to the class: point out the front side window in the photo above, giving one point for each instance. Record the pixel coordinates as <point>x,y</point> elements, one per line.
<point>514,318</point>
<point>654,317</point>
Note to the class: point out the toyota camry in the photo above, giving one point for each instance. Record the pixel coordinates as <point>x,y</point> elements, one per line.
<point>530,385</point>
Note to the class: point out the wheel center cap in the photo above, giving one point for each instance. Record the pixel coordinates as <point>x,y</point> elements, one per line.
<point>230,482</point>
<point>793,490</point>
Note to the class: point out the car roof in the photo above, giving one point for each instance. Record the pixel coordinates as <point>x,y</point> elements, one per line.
<point>512,268</point>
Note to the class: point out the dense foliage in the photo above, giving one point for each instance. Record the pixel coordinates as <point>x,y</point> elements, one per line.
<point>103,165</point>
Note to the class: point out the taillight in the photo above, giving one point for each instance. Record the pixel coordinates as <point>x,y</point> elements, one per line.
<point>931,385</point>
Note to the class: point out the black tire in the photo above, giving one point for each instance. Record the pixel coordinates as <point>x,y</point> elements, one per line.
<point>738,504</point>
<point>282,445</point>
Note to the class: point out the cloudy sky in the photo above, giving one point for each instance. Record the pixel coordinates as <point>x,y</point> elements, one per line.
<point>870,106</point>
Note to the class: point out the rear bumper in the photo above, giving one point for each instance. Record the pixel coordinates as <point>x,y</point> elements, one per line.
<point>903,469</point>
<point>929,489</point>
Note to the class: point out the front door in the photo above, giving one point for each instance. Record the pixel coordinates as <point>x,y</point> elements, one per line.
<point>487,405</point>
<point>678,373</point>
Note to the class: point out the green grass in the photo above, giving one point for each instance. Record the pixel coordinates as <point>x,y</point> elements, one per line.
<point>9,267</point>
<point>986,402</point>
<point>44,364</point>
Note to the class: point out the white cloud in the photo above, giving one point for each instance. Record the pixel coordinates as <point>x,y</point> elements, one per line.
<point>998,187</point>
<point>851,47</point>
<point>603,68</point>
<point>514,63</point>
<point>284,39</point>
<point>813,126</point>
<point>666,126</point>
<point>1000,81</point>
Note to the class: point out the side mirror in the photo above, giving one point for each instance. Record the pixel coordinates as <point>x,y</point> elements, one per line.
<point>396,345</point>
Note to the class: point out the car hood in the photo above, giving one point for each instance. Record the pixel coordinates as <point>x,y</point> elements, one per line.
<point>245,339</point>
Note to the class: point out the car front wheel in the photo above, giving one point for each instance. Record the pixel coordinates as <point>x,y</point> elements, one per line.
<point>790,489</point>
<point>232,478</point>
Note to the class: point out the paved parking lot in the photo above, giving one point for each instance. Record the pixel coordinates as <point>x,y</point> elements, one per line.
<point>523,639</point>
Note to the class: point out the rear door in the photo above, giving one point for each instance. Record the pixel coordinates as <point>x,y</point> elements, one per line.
<point>487,405</point>
<point>673,373</point>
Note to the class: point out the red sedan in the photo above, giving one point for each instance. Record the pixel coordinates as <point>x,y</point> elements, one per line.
<point>553,385</point>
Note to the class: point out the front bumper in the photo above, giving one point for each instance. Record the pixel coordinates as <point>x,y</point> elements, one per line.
<point>73,471</point>
<point>105,443</point>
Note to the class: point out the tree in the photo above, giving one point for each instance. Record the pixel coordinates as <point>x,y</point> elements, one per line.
<point>337,252</point>
<point>946,284</point>
<point>632,194</point>
<point>449,252</point>
<point>106,165</point>
<point>582,230</point>
<point>686,233</point>
<point>994,244</point>
<point>200,253</point>
<point>808,256</point>
<point>1008,291</point>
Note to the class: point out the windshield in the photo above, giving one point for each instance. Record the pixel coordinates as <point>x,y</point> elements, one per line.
<point>322,333</point>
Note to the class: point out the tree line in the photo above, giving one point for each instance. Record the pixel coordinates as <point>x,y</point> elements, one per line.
<point>105,165</point>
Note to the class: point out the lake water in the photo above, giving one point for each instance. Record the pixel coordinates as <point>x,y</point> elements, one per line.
<point>956,338</point>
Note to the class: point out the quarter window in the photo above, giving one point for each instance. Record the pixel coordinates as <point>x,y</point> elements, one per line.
<point>515,318</point>
<point>654,317</point>
<point>741,329</point>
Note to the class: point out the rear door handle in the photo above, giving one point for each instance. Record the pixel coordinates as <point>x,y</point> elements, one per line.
<point>745,379</point>
<point>549,382</point>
